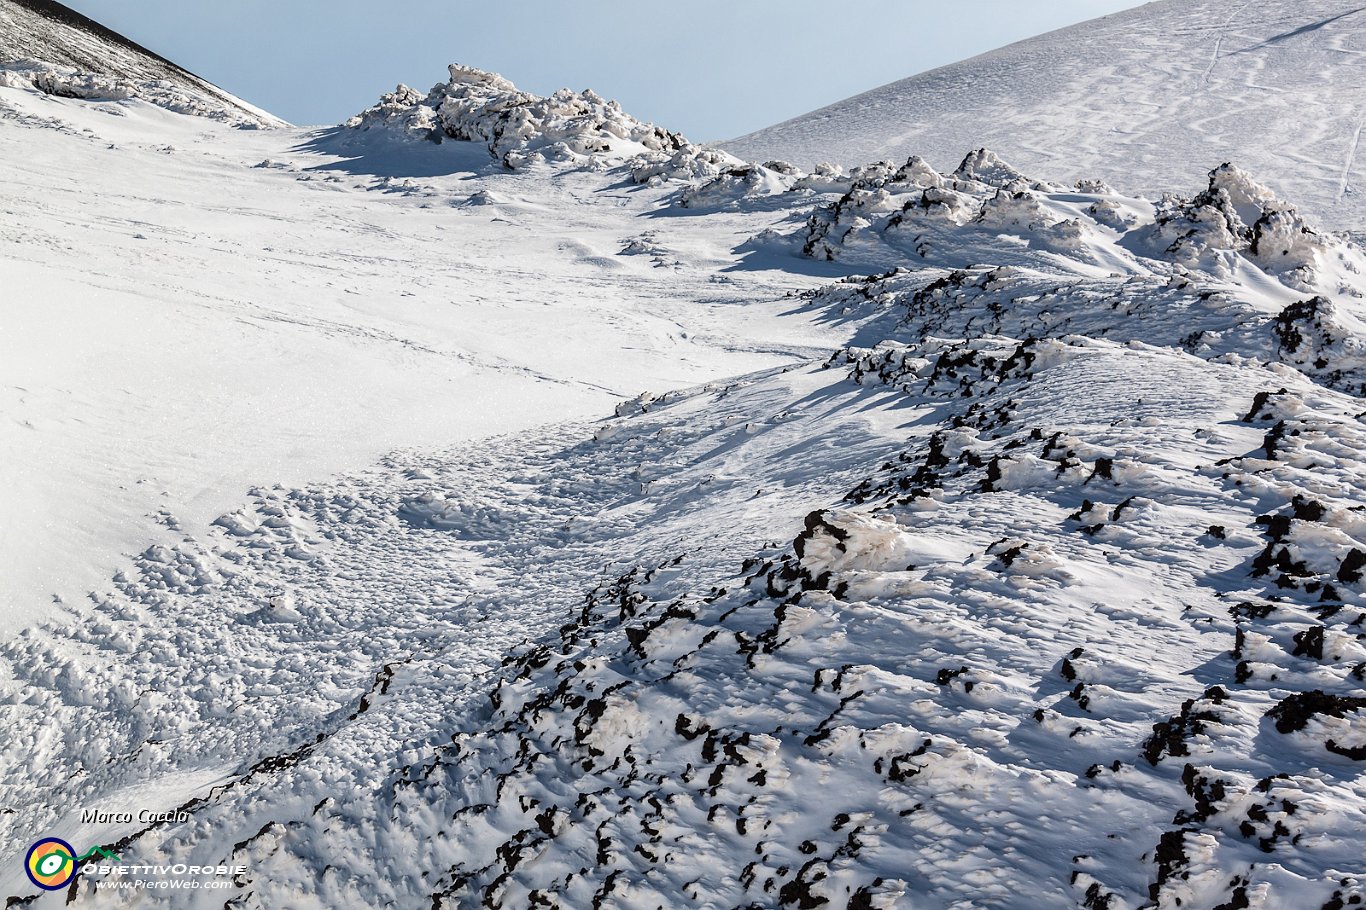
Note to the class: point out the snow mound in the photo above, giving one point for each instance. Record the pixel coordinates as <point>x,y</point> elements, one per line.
<point>1235,213</point>
<point>915,209</point>
<point>520,128</point>
<point>1230,272</point>
<point>939,218</point>
<point>739,182</point>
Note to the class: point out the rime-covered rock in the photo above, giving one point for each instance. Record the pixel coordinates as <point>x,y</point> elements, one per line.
<point>520,128</point>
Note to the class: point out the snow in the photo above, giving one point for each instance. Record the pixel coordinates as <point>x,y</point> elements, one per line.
<point>1146,100</point>
<point>522,129</point>
<point>313,359</point>
<point>563,515</point>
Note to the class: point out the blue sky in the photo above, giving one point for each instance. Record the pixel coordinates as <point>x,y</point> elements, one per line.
<point>713,69</point>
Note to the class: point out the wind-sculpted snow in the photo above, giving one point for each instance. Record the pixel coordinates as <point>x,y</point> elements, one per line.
<point>520,128</point>
<point>1035,661</point>
<point>1043,587</point>
<point>1232,271</point>
<point>1106,597</point>
<point>941,218</point>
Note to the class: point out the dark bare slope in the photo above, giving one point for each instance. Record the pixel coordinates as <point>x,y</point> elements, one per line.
<point>48,32</point>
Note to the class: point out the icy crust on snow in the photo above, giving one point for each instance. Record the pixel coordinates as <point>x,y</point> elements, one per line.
<point>520,128</point>
<point>69,82</point>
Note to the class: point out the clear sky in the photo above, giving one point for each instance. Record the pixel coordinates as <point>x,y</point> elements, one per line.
<point>712,69</point>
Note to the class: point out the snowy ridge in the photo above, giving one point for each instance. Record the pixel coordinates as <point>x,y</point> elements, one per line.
<point>1216,240</point>
<point>1146,99</point>
<point>520,128</point>
<point>1023,566</point>
<point>53,48</point>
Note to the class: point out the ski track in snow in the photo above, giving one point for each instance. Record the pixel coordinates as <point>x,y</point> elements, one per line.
<point>1219,42</point>
<point>1130,98</point>
<point>1351,159</point>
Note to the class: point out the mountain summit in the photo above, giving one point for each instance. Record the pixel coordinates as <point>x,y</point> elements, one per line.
<point>56,49</point>
<point>1146,99</point>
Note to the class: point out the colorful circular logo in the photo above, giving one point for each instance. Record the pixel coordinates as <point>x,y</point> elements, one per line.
<point>51,863</point>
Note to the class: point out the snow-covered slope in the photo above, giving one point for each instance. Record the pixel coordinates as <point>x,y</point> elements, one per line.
<point>1147,99</point>
<point>558,515</point>
<point>59,51</point>
<point>191,309</point>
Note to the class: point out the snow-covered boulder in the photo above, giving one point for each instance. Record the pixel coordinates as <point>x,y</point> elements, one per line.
<point>521,128</point>
<point>1237,215</point>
